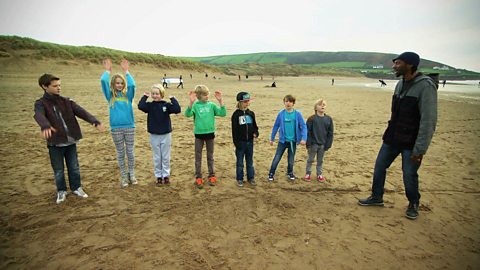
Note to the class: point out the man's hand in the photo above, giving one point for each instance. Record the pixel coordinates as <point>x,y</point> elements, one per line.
<point>416,158</point>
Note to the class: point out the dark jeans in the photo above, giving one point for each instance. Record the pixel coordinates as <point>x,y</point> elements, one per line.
<point>245,150</point>
<point>57,155</point>
<point>386,156</point>
<point>291,146</point>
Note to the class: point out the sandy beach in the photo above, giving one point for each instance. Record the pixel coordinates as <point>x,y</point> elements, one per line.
<point>278,225</point>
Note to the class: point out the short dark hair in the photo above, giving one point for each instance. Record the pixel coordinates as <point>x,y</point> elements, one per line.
<point>289,98</point>
<point>46,79</point>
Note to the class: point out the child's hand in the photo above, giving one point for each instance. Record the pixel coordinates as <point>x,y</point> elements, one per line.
<point>271,142</point>
<point>218,96</point>
<point>170,97</point>
<point>302,142</point>
<point>192,97</point>
<point>100,127</point>
<point>124,65</point>
<point>47,133</point>
<point>146,93</point>
<point>107,63</point>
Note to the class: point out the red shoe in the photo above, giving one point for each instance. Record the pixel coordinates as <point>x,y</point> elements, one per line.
<point>320,178</point>
<point>212,180</point>
<point>307,178</point>
<point>199,182</point>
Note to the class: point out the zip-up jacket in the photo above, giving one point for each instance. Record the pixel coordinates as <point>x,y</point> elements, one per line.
<point>158,118</point>
<point>300,128</point>
<point>414,115</point>
<point>54,111</point>
<point>204,116</point>
<point>244,126</point>
<point>121,111</point>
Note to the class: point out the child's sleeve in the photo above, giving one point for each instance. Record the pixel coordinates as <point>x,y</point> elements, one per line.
<point>329,142</point>
<point>40,117</point>
<point>275,128</point>
<point>142,105</point>
<point>219,110</point>
<point>174,107</point>
<point>83,114</point>
<point>105,82</point>
<point>303,126</point>
<point>234,127</point>
<point>130,86</point>
<point>255,127</point>
<point>189,111</point>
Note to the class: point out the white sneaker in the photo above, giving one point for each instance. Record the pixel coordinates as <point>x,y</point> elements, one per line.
<point>80,193</point>
<point>133,180</point>
<point>61,196</point>
<point>123,181</point>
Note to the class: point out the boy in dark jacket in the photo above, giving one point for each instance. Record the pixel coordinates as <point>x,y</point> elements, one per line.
<point>244,130</point>
<point>56,116</point>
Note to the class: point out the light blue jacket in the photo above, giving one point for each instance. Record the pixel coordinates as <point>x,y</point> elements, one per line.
<point>121,111</point>
<point>300,127</point>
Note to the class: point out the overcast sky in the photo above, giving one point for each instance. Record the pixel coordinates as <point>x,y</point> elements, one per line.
<point>447,31</point>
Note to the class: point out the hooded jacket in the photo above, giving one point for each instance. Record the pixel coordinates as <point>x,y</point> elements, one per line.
<point>300,128</point>
<point>413,115</point>
<point>54,111</point>
<point>244,126</point>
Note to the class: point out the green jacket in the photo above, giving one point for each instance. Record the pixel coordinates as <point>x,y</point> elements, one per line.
<point>204,116</point>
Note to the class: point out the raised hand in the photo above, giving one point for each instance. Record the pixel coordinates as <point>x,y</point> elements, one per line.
<point>107,63</point>
<point>124,65</point>
<point>192,97</point>
<point>218,96</point>
<point>146,93</point>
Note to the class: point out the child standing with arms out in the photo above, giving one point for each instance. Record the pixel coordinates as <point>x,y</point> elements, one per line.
<point>319,139</point>
<point>244,130</point>
<point>204,112</point>
<point>293,131</point>
<point>56,116</point>
<point>119,94</point>
<point>159,126</point>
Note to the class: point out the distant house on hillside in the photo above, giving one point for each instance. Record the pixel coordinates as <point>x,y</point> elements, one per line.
<point>377,66</point>
<point>441,68</point>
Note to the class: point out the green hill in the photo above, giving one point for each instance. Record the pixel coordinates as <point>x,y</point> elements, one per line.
<point>318,63</point>
<point>21,47</point>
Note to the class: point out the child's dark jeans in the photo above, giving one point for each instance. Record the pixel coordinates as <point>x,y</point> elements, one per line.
<point>57,155</point>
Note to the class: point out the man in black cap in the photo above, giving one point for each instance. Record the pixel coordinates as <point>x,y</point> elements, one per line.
<point>409,132</point>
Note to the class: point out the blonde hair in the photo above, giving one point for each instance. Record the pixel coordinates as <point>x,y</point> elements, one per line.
<point>113,90</point>
<point>160,88</point>
<point>201,90</point>
<point>318,102</point>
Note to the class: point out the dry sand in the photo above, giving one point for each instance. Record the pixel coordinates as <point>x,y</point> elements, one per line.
<point>276,225</point>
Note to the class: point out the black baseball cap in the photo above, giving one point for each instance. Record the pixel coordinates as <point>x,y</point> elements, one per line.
<point>243,96</point>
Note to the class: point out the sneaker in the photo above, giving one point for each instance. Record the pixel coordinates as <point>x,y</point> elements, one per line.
<point>199,182</point>
<point>291,176</point>
<point>307,177</point>
<point>270,177</point>
<point>212,180</point>
<point>133,180</point>
<point>123,181</point>
<point>370,201</point>
<point>252,182</point>
<point>61,196</point>
<point>80,193</point>
<point>166,181</point>
<point>320,178</point>
<point>412,211</point>
<point>240,183</point>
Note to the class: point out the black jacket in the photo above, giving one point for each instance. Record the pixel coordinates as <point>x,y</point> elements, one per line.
<point>244,126</point>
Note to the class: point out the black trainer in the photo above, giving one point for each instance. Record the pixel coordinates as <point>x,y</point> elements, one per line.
<point>371,201</point>
<point>252,182</point>
<point>291,176</point>
<point>412,211</point>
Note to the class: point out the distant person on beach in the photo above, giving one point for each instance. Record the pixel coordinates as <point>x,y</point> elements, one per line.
<point>319,139</point>
<point>444,82</point>
<point>57,118</point>
<point>204,112</point>
<point>239,78</point>
<point>191,76</point>
<point>206,75</point>
<point>159,125</point>
<point>164,82</point>
<point>409,132</point>
<point>244,132</point>
<point>119,91</point>
<point>274,84</point>
<point>382,83</point>
<point>292,131</point>
<point>180,83</point>
<point>333,81</point>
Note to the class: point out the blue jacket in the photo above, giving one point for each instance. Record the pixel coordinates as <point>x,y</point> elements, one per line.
<point>158,119</point>
<point>121,111</point>
<point>300,128</point>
